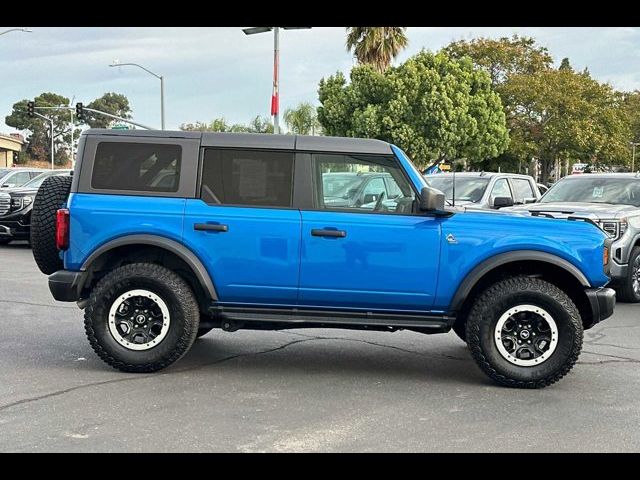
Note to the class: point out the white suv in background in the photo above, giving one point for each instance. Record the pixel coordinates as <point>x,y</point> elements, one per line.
<point>16,177</point>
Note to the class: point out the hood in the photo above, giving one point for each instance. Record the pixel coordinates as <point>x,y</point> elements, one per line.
<point>22,191</point>
<point>595,211</point>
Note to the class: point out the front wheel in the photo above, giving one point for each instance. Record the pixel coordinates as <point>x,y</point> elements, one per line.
<point>629,290</point>
<point>524,332</point>
<point>141,318</point>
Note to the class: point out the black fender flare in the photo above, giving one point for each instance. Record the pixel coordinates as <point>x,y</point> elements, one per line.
<point>190,258</point>
<point>489,264</point>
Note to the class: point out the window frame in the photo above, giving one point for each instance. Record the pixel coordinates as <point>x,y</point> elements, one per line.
<point>294,165</point>
<point>313,190</point>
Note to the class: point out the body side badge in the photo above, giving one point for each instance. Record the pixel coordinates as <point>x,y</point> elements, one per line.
<point>451,238</point>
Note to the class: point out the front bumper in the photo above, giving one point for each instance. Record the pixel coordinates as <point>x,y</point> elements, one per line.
<point>66,286</point>
<point>602,301</point>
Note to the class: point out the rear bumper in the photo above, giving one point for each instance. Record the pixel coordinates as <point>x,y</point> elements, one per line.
<point>602,301</point>
<point>66,286</point>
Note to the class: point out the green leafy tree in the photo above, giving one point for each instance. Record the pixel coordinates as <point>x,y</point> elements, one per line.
<point>432,106</point>
<point>503,57</point>
<point>376,46</point>
<point>564,115</point>
<point>39,138</point>
<point>302,119</point>
<point>565,64</point>
<point>113,103</point>
<point>257,125</point>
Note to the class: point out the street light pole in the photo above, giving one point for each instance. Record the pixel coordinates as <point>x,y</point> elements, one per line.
<point>275,98</point>
<point>275,95</point>
<point>26,30</point>
<point>633,154</point>
<point>160,77</point>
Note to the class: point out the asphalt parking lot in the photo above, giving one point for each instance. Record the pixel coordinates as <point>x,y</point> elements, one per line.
<point>302,390</point>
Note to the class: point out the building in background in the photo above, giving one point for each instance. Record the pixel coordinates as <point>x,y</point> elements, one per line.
<point>10,147</point>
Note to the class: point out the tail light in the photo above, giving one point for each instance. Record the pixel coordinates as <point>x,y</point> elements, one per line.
<point>62,229</point>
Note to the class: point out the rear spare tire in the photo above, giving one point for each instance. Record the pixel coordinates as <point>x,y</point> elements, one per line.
<point>51,196</point>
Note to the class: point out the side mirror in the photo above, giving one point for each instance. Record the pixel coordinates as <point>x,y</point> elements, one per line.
<point>431,200</point>
<point>370,197</point>
<point>7,185</point>
<point>500,202</point>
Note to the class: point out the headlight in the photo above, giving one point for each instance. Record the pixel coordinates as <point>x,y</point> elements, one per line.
<point>623,226</point>
<point>18,203</point>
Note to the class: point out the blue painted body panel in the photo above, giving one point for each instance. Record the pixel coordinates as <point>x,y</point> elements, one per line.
<point>481,235</point>
<point>386,262</point>
<point>257,260</point>
<point>98,219</point>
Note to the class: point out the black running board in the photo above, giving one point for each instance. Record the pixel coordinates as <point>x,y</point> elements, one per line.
<point>303,317</point>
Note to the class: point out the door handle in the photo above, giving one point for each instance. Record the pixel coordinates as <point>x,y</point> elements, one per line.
<point>210,227</point>
<point>323,232</point>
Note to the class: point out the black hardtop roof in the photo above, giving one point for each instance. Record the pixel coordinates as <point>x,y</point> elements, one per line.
<point>261,140</point>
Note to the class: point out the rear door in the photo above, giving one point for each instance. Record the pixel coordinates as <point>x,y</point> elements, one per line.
<point>243,225</point>
<point>523,191</point>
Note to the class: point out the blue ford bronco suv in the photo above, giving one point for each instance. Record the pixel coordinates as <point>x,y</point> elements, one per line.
<point>162,236</point>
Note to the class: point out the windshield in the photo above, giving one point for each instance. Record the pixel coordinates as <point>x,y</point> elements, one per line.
<point>3,172</point>
<point>468,189</point>
<point>618,191</point>
<point>340,186</point>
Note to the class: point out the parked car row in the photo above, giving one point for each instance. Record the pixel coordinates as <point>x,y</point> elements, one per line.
<point>16,203</point>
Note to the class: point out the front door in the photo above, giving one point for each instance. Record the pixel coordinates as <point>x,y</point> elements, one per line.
<point>376,255</point>
<point>244,228</point>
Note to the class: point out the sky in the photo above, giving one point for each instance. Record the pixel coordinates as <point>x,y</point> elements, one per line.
<point>220,72</point>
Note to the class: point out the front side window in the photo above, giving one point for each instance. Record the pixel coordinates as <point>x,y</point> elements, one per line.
<point>144,167</point>
<point>355,182</point>
<point>18,179</point>
<point>247,177</point>
<point>500,189</point>
<point>522,189</point>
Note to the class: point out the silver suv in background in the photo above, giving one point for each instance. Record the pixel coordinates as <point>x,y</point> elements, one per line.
<point>485,190</point>
<point>611,201</point>
<point>16,177</point>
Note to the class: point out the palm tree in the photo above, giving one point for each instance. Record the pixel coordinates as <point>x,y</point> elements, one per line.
<point>377,46</point>
<point>302,119</point>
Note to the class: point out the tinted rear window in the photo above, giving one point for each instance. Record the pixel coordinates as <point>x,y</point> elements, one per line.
<point>248,177</point>
<point>144,167</point>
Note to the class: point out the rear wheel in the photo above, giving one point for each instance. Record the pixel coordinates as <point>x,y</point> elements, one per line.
<point>524,332</point>
<point>629,290</point>
<point>51,196</point>
<point>141,318</point>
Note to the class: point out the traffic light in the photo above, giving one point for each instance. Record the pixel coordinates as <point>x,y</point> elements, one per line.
<point>30,108</point>
<point>79,111</point>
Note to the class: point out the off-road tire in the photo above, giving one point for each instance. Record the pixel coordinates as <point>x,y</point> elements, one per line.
<point>175,292</point>
<point>500,297</point>
<point>624,291</point>
<point>51,196</point>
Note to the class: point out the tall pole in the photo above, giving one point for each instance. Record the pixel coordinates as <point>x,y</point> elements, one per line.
<point>52,145</point>
<point>162,101</point>
<point>275,98</point>
<point>633,157</point>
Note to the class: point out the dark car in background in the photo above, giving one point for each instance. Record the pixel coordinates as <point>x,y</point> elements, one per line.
<point>15,219</point>
<point>612,202</point>
<point>486,190</point>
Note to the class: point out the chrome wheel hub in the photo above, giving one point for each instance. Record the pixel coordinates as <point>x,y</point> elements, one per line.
<point>139,320</point>
<point>526,335</point>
